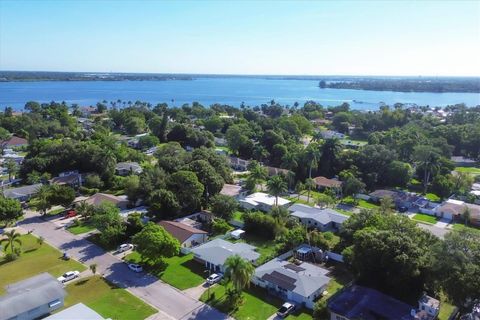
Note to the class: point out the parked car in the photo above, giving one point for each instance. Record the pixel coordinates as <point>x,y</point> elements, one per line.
<point>135,267</point>
<point>402,209</point>
<point>67,276</point>
<point>124,247</point>
<point>70,214</point>
<point>214,278</point>
<point>285,309</point>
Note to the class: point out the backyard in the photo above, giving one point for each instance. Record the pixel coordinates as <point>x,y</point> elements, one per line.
<point>100,295</point>
<point>266,248</point>
<point>182,272</point>
<point>425,218</point>
<point>471,170</point>
<point>35,259</point>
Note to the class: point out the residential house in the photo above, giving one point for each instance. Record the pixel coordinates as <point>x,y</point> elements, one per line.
<point>454,209</point>
<point>13,156</point>
<point>262,201</point>
<point>300,283</point>
<point>232,190</point>
<point>329,134</point>
<point>70,178</point>
<point>273,171</point>
<point>357,302</point>
<point>87,111</point>
<point>32,298</point>
<point>428,307</point>
<point>99,198</point>
<point>221,142</point>
<point>78,311</point>
<point>185,234</point>
<point>400,198</point>
<point>323,183</point>
<point>214,253</point>
<point>127,168</point>
<point>22,194</point>
<point>463,162</point>
<point>238,164</point>
<point>321,219</point>
<point>13,142</point>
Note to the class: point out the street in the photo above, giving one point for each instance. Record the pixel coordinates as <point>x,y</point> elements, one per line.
<point>167,299</point>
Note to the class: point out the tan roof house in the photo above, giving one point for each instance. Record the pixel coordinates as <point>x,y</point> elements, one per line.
<point>99,198</point>
<point>185,234</point>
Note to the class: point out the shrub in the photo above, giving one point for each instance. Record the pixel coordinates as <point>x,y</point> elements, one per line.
<point>220,226</point>
<point>320,311</point>
<point>10,257</point>
<point>260,224</point>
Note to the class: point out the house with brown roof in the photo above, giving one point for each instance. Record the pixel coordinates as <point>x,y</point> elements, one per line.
<point>185,234</point>
<point>99,198</point>
<point>323,183</point>
<point>454,209</point>
<point>14,141</point>
<point>273,171</point>
<point>232,190</point>
<point>72,179</point>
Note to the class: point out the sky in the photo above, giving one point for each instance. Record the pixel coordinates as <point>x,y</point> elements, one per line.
<point>430,38</point>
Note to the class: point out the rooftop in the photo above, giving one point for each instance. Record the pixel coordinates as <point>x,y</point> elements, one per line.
<point>78,311</point>
<point>263,198</point>
<point>231,190</point>
<point>218,250</point>
<point>99,198</point>
<point>327,183</point>
<point>179,230</point>
<point>29,294</point>
<point>304,279</point>
<point>357,302</point>
<point>323,216</point>
<point>21,191</point>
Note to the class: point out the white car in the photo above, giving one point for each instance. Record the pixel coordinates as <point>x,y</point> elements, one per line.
<point>285,309</point>
<point>124,247</point>
<point>67,276</point>
<point>135,267</point>
<point>214,278</point>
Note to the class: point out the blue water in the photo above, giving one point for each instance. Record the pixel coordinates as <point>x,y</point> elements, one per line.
<point>232,91</point>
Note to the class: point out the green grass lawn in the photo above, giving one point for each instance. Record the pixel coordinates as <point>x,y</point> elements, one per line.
<point>425,218</point>
<point>433,197</point>
<point>367,205</point>
<point>345,212</point>
<point>35,259</point>
<point>106,299</point>
<point>182,272</point>
<point>462,226</point>
<point>238,216</point>
<point>266,248</point>
<point>257,303</point>
<point>81,228</point>
<point>471,170</point>
<point>446,310</point>
<point>302,314</point>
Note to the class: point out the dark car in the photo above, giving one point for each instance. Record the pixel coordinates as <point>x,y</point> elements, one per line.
<point>402,209</point>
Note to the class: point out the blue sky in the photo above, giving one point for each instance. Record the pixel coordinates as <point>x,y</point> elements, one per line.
<point>258,37</point>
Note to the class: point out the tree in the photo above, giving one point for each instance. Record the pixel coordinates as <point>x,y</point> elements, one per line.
<point>352,185</point>
<point>11,167</point>
<point>93,268</point>
<point>132,188</point>
<point>154,243</point>
<point>93,181</point>
<point>84,209</point>
<point>462,182</point>
<point>386,205</point>
<point>12,239</point>
<point>187,189</point>
<point>135,224</point>
<point>457,265</point>
<point>442,186</point>
<point>310,184</point>
<point>163,204</point>
<point>210,179</point>
<point>426,158</point>
<point>258,173</point>
<point>61,195</point>
<point>148,141</point>
<point>10,210</point>
<point>43,199</point>
<point>299,188</point>
<point>239,271</point>
<point>324,200</point>
<point>108,221</point>
<point>276,186</point>
<point>466,215</point>
<point>223,206</point>
<point>220,226</point>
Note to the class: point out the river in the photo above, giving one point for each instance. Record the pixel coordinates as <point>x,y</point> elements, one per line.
<point>225,90</point>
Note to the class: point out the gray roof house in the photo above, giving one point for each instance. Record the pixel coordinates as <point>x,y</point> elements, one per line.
<point>214,253</point>
<point>321,219</point>
<point>22,193</point>
<point>301,283</point>
<point>78,311</point>
<point>126,168</point>
<point>32,298</point>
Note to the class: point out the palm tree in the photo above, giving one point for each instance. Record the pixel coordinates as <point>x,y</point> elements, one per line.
<point>466,215</point>
<point>43,199</point>
<point>257,173</point>
<point>426,157</point>
<point>84,209</point>
<point>11,167</point>
<point>299,187</point>
<point>276,186</point>
<point>309,184</point>
<point>12,239</point>
<point>239,271</point>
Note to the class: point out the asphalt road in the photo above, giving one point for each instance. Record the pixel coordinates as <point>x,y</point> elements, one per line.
<point>171,302</point>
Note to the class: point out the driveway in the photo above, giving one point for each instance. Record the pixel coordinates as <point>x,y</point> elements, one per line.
<point>162,296</point>
<point>436,231</point>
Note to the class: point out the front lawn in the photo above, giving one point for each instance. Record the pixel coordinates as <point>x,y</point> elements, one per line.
<point>462,226</point>
<point>257,304</point>
<point>471,170</point>
<point>182,272</point>
<point>106,299</point>
<point>35,259</point>
<point>367,205</point>
<point>433,197</point>
<point>425,218</point>
<point>81,227</point>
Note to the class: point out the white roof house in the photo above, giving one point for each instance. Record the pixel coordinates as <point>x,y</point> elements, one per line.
<point>78,311</point>
<point>215,252</point>
<point>300,283</point>
<point>262,201</point>
<point>322,219</point>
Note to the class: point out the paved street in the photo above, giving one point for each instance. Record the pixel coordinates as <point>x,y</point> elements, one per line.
<point>162,296</point>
